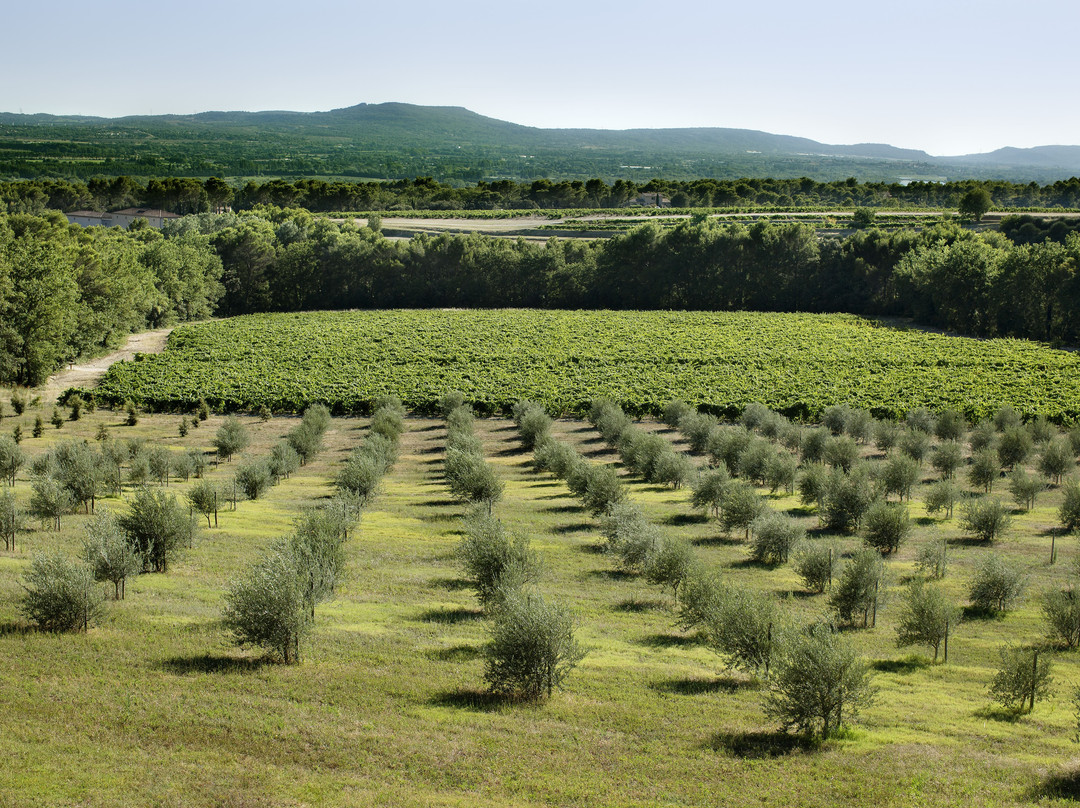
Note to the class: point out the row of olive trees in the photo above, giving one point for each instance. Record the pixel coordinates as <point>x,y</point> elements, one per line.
<point>272,604</point>
<point>469,476</point>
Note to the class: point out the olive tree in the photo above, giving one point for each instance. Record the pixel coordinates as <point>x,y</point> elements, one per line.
<point>531,648</point>
<point>266,607</point>
<point>996,585</point>
<point>491,557</point>
<point>985,518</point>
<point>818,681</point>
<point>926,617</point>
<point>231,438</point>
<point>60,594</point>
<point>1022,676</point>
<point>157,527</point>
<point>109,553</point>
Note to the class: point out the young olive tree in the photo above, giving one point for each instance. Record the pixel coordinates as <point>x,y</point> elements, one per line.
<point>531,648</point>
<point>985,518</point>
<point>816,563</point>
<point>266,607</point>
<point>231,438</point>
<point>927,617</point>
<point>818,681</point>
<point>997,584</point>
<point>60,594</point>
<point>109,553</point>
<point>1022,676</point>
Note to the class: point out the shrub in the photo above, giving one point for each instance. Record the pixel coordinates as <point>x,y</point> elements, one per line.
<point>725,447</point>
<point>629,535</point>
<point>1061,611</point>
<point>997,584</point>
<point>674,411</point>
<point>926,617</point>
<point>743,628</point>
<point>253,478</point>
<point>813,445</point>
<point>1056,460</point>
<point>814,486</point>
<point>942,496</point>
<point>59,594</point>
<point>920,419</point>
<point>283,461</point>
<point>932,559</point>
<point>841,452</point>
<point>231,438</point>
<point>899,475</point>
<point>915,444</point>
<point>702,595</point>
<point>740,505</point>
<point>672,468</point>
<point>983,437</point>
<point>157,527</point>
<point>817,683</point>
<point>780,471</point>
<point>815,563</point>
<point>532,648</point>
<point>858,591</point>
<point>698,428</point>
<point>265,607</point>
<point>774,537</point>
<point>947,458</point>
<point>1014,447</point>
<point>708,494</point>
<point>535,424</point>
<point>950,426</point>
<point>1006,418</point>
<point>886,435</point>
<point>984,469</point>
<point>1022,676</point>
<point>451,401</point>
<point>1069,512</point>
<point>846,499</point>
<point>985,518</point>
<point>555,457</point>
<point>885,525</point>
<point>109,553</point>
<point>1025,488</point>
<point>671,564</point>
<point>488,552</point>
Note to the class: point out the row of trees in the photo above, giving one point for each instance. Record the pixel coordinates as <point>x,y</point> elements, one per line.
<point>185,195</point>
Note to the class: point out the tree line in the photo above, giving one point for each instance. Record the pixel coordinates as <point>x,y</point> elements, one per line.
<point>184,195</point>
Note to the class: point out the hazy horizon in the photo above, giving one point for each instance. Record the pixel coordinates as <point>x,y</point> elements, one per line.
<point>949,80</point>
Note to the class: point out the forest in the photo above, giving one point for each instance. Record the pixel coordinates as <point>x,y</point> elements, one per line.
<point>184,195</point>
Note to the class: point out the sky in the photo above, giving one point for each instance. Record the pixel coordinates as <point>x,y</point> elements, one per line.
<point>949,77</point>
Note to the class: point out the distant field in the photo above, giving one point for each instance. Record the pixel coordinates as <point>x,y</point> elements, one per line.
<point>795,363</point>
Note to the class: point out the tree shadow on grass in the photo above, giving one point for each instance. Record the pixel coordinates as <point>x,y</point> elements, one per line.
<point>718,541</point>
<point>463,698</point>
<point>450,616</point>
<point>1063,784</point>
<point>998,713</point>
<point>612,575</point>
<point>452,584</point>
<point>548,484</point>
<point>574,527</point>
<point>440,503</point>
<point>429,428</point>
<point>636,605</point>
<point>908,664</point>
<point>215,663</point>
<point>691,686</point>
<point>681,519</point>
<point>513,450</point>
<point>563,509</point>
<point>11,628</point>
<point>455,653</point>
<point>968,541</point>
<point>669,640</point>
<point>761,744</point>
<point>753,564</point>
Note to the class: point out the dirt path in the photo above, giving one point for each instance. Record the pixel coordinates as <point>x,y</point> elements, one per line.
<point>89,373</point>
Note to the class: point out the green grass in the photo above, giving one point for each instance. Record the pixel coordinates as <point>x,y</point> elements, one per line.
<point>156,707</point>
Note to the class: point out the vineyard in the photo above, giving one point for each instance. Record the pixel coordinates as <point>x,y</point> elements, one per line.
<point>796,364</point>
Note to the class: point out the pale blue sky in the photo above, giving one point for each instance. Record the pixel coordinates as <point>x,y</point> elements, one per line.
<point>949,77</point>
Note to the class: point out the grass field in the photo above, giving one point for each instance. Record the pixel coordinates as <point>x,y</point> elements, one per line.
<point>157,707</point>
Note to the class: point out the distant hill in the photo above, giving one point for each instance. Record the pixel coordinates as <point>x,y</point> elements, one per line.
<point>393,140</point>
